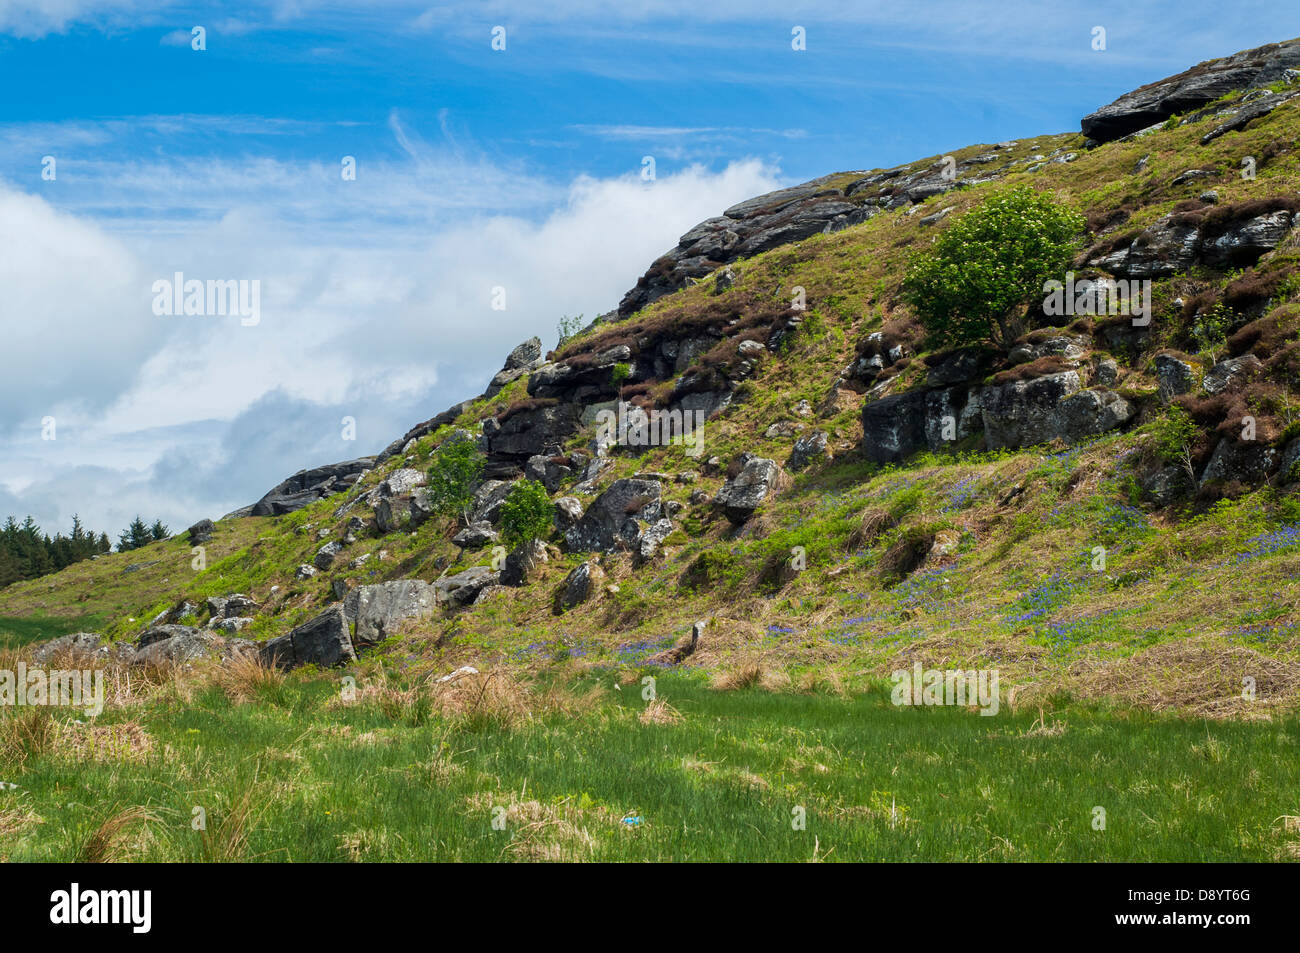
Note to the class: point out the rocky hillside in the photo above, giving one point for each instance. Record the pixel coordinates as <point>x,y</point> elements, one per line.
<point>855,497</point>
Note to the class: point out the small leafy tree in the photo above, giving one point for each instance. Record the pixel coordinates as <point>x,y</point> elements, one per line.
<point>1175,436</point>
<point>453,472</point>
<point>568,328</point>
<point>982,271</point>
<point>527,513</point>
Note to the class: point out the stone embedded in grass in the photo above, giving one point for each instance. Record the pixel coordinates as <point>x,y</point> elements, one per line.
<point>741,496</point>
<point>377,610</point>
<point>578,586</point>
<point>325,555</point>
<point>323,641</point>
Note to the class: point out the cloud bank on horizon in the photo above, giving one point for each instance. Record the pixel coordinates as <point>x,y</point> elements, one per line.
<point>128,156</point>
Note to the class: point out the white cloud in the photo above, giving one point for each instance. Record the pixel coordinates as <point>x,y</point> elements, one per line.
<point>185,417</point>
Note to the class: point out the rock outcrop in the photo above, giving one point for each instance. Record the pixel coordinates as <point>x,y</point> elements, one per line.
<point>323,641</point>
<point>308,486</point>
<point>1203,83</point>
<point>377,610</point>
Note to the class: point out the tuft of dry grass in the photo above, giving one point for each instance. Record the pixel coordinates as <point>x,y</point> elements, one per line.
<point>227,842</point>
<point>246,677</point>
<point>115,838</point>
<point>659,712</point>
<point>26,733</point>
<point>749,675</point>
<point>1200,676</point>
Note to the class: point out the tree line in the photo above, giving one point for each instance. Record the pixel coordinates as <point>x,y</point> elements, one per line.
<point>27,552</point>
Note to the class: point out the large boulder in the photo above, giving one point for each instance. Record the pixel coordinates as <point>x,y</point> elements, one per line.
<point>476,536</point>
<point>610,522</point>
<point>578,586</point>
<point>488,500</point>
<point>742,495</point>
<point>1174,376</point>
<point>323,641</point>
<point>376,610</point>
<point>1224,374</point>
<point>523,563</point>
<point>464,587</point>
<point>179,649</point>
<point>308,486</point>
<point>1240,462</point>
<point>1022,413</point>
<point>893,427</point>
<point>538,430</point>
<point>79,643</point>
<point>201,532</point>
<point>809,449</point>
<point>1203,83</point>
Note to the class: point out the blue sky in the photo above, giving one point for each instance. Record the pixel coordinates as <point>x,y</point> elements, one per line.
<point>476,168</point>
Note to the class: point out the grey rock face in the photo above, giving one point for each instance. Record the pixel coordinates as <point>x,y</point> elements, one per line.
<point>325,555</point>
<point>808,450</point>
<point>578,587</point>
<point>1022,413</point>
<point>179,649</point>
<point>160,633</point>
<point>742,496</point>
<point>526,355</point>
<point>488,500</point>
<point>1066,346</point>
<point>604,525</point>
<point>541,430</point>
<point>1244,462</point>
<point>201,532</point>
<point>1173,376</point>
<point>376,610</point>
<point>402,482</point>
<point>1091,412</point>
<point>1225,373</point>
<point>652,538</point>
<point>1245,243</point>
<point>79,643</point>
<point>323,641</point>
<point>1173,245</point>
<point>308,486</point>
<point>464,587</point>
<point>1195,87</point>
<point>568,512</point>
<point>523,563</point>
<point>546,471</point>
<point>894,427</point>
<point>476,536</point>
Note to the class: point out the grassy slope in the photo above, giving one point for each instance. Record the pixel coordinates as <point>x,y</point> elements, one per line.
<point>1020,592</point>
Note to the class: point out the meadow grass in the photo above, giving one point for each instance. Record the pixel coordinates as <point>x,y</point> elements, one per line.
<point>581,770</point>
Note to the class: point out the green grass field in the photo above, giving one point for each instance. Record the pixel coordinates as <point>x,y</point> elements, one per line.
<point>285,770</point>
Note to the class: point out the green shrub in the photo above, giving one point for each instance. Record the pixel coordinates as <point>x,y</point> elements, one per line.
<point>1175,433</point>
<point>455,468</point>
<point>981,272</point>
<point>527,513</point>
